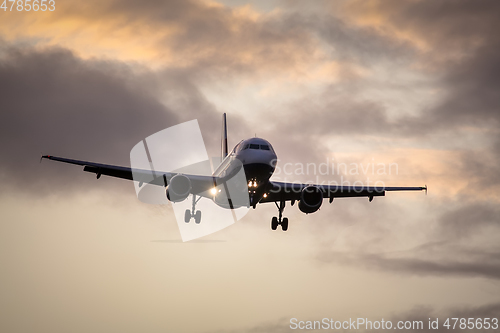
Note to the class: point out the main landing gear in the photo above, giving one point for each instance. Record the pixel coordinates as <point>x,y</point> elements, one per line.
<point>278,220</point>
<point>191,213</point>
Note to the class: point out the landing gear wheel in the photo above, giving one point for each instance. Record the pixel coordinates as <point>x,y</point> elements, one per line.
<point>197,217</point>
<point>280,220</point>
<point>284,224</point>
<point>187,216</point>
<point>274,223</point>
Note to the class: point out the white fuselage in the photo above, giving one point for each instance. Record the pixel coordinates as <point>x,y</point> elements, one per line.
<point>258,159</point>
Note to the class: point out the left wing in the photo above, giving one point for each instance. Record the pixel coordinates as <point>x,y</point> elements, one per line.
<point>199,183</point>
<point>280,191</point>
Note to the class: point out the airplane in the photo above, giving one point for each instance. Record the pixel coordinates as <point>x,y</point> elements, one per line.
<point>258,159</point>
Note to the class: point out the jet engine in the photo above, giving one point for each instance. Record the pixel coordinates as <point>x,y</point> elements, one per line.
<point>311,199</point>
<point>178,188</point>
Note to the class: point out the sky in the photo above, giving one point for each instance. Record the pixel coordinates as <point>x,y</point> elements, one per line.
<point>411,83</point>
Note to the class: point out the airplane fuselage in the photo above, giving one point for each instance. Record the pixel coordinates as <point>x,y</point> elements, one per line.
<point>258,159</point>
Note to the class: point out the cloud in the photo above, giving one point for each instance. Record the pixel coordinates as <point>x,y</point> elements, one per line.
<point>486,266</point>
<point>463,33</point>
<point>470,219</point>
<point>426,313</point>
<point>419,313</point>
<point>55,103</point>
<point>449,28</point>
<point>359,43</point>
<point>462,242</point>
<point>177,34</point>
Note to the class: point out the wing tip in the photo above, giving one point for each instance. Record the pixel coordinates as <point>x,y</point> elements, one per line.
<point>44,156</point>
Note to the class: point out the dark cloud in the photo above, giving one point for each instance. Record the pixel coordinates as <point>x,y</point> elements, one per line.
<point>445,25</point>
<point>424,313</point>
<point>471,263</point>
<point>486,266</point>
<point>464,33</point>
<point>211,38</point>
<point>55,103</point>
<point>466,28</point>
<point>468,220</point>
<point>473,99</point>
<point>224,41</point>
<point>472,86</point>
<point>460,242</point>
<point>358,44</point>
<point>419,313</point>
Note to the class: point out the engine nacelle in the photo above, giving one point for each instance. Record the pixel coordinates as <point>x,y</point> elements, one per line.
<point>178,188</point>
<point>311,199</point>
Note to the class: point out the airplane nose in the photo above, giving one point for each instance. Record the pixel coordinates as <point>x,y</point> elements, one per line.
<point>268,158</point>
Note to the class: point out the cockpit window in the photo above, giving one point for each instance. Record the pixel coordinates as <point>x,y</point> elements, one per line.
<point>255,146</point>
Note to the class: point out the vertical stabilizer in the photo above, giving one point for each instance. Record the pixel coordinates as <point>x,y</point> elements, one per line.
<point>224,137</point>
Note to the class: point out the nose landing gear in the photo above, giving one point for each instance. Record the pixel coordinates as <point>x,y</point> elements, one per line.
<point>279,220</point>
<point>193,213</point>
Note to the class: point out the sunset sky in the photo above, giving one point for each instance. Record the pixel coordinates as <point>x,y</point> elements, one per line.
<point>415,83</point>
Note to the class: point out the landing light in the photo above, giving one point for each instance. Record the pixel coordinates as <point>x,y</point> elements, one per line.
<point>265,195</point>
<point>213,191</point>
<point>252,184</point>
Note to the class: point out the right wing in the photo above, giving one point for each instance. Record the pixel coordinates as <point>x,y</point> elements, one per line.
<point>281,191</point>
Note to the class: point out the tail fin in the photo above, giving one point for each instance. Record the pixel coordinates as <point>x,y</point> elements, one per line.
<point>224,137</point>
